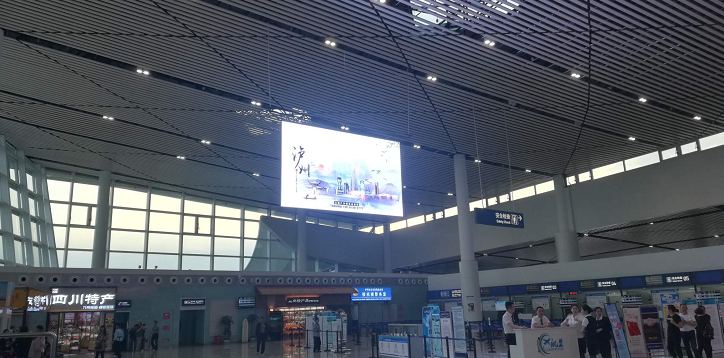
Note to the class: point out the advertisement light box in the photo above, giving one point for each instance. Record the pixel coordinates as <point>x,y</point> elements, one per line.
<point>324,169</point>
<point>372,294</point>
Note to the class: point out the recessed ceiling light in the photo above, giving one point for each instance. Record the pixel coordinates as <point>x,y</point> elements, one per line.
<point>145,72</point>
<point>492,43</point>
<point>642,100</point>
<point>416,146</point>
<point>138,70</point>
<point>716,235</point>
<point>449,194</point>
<point>677,249</point>
<point>698,118</point>
<point>204,141</point>
<point>333,44</point>
<point>404,187</point>
<point>632,138</point>
<point>477,160</point>
<point>256,174</point>
<point>527,170</point>
<point>586,234</point>
<point>530,245</point>
<point>487,42</point>
<point>651,223</point>
<point>516,258</point>
<point>108,118</point>
<point>651,245</point>
<point>180,157</point>
<point>382,1</point>
<point>418,204</point>
<point>432,78</point>
<point>485,254</point>
<point>345,128</point>
<point>327,42</point>
<point>575,75</point>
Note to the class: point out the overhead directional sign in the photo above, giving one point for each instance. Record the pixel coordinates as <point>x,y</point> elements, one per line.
<point>499,218</point>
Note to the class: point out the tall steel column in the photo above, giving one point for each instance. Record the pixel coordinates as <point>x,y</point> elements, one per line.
<point>301,240</point>
<point>387,248</point>
<point>469,280</point>
<point>30,258</point>
<point>566,237</point>
<point>6,214</point>
<point>100,234</point>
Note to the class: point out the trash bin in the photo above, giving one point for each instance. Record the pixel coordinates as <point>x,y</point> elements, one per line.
<point>217,340</point>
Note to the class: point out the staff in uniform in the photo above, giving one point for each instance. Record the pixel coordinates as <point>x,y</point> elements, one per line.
<point>509,326</point>
<point>598,334</point>
<point>540,320</point>
<point>575,319</point>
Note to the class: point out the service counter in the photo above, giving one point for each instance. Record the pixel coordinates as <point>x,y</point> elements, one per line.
<point>557,342</point>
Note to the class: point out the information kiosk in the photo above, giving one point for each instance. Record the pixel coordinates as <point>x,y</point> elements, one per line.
<point>559,342</point>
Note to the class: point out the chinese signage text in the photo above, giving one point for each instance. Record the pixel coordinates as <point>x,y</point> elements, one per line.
<point>499,218</point>
<point>379,294</point>
<point>74,299</point>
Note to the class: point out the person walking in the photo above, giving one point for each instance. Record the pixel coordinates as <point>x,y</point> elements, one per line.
<point>540,320</point>
<point>154,336</point>
<point>21,346</point>
<point>509,326</point>
<point>688,334</point>
<point>316,332</point>
<point>101,339</point>
<point>37,346</point>
<point>575,319</point>
<point>132,341</point>
<point>704,332</point>
<point>261,334</point>
<point>598,334</point>
<point>673,332</point>
<point>142,332</point>
<point>118,337</point>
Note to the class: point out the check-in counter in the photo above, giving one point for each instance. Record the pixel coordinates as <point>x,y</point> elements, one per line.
<point>557,342</point>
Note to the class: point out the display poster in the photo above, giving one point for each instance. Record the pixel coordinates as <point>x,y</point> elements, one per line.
<point>712,309</point>
<point>669,298</point>
<point>656,297</point>
<point>617,329</point>
<point>436,332</point>
<point>596,300</point>
<point>459,331</point>
<point>540,301</point>
<point>446,331</point>
<point>651,323</point>
<point>500,305</point>
<point>309,324</point>
<point>634,336</point>
<point>324,169</point>
<point>488,304</point>
<point>426,328</point>
<point>392,346</point>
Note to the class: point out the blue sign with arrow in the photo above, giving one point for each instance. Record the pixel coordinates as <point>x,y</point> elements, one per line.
<point>499,218</point>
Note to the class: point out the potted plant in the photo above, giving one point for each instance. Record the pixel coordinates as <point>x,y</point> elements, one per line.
<point>226,321</point>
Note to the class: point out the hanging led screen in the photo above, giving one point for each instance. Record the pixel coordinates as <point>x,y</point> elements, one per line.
<point>329,170</point>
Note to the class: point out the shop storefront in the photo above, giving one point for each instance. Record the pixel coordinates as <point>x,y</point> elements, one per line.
<point>76,315</point>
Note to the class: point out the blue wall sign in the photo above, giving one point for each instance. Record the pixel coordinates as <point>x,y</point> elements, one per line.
<point>372,294</point>
<point>247,302</point>
<point>499,218</point>
<point>678,279</point>
<point>123,304</point>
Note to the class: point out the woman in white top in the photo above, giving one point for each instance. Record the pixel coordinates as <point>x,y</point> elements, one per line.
<point>575,319</point>
<point>540,320</point>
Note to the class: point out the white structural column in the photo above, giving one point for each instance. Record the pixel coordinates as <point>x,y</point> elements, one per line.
<point>387,248</point>
<point>566,237</point>
<point>100,234</point>
<point>301,240</point>
<point>6,214</point>
<point>30,258</point>
<point>470,284</point>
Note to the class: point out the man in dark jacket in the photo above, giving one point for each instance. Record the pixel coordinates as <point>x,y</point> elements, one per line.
<point>21,346</point>
<point>132,341</point>
<point>261,333</point>
<point>598,334</point>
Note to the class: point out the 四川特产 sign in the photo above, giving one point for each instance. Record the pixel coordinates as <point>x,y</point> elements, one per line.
<point>499,218</point>
<point>372,294</point>
<point>74,299</point>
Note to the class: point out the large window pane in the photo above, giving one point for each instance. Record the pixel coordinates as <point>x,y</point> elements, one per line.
<point>197,206</point>
<point>127,240</point>
<point>251,229</point>
<point>58,190</point>
<point>227,211</point>
<point>253,213</point>
<point>84,193</point>
<point>256,248</point>
<point>130,198</point>
<point>163,243</point>
<point>196,262</point>
<point>30,181</point>
<point>398,225</point>
<point>523,193</point>
<point>162,262</point>
<point>204,225</point>
<point>344,225</point>
<point>326,222</point>
<point>164,222</point>
<point>256,264</point>
<point>227,247</point>
<point>642,161</point>
<point>17,225</point>
<point>61,258</point>
<point>281,265</point>
<point>59,233</point>
<point>712,141</point>
<point>165,200</point>
<point>668,154</point>
<point>123,260</point>
<point>79,259</point>
<point>417,220</point>
<point>19,252</point>
<point>129,219</point>
<point>59,213</point>
<point>226,263</point>
<point>279,250</point>
<point>545,187</point>
<point>227,227</point>
<point>197,244</point>
<point>14,199</point>
<point>79,215</point>
<point>449,212</point>
<point>34,231</point>
<point>688,148</point>
<point>80,238</point>
<point>282,215</point>
<point>607,170</point>
<point>32,207</point>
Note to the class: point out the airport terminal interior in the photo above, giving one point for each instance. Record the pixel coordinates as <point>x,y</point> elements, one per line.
<point>362,178</point>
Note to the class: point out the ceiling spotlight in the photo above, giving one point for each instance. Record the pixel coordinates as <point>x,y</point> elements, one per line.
<point>642,100</point>
<point>404,187</point>
<point>416,146</point>
<point>530,245</point>
<point>575,75</point>
<point>345,128</point>
<point>485,254</point>
<point>432,78</point>
<point>651,245</point>
<point>477,160</point>
<point>138,70</point>
<point>586,234</point>
<point>332,44</point>
<point>716,235</point>
<point>327,42</point>
<point>108,118</point>
<point>145,72</point>
<point>632,138</point>
<point>204,141</point>
<point>256,174</point>
<point>516,258</point>
<point>651,223</point>
<point>382,1</point>
<point>449,194</point>
<point>527,170</point>
<point>492,43</point>
<point>487,42</point>
<point>698,118</point>
<point>418,204</point>
<point>677,249</point>
<point>180,157</point>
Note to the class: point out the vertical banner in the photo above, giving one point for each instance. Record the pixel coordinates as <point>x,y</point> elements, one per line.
<point>446,330</point>
<point>617,329</point>
<point>427,329</point>
<point>459,331</point>
<point>436,334</point>
<point>634,335</point>
<point>712,309</point>
<point>653,333</point>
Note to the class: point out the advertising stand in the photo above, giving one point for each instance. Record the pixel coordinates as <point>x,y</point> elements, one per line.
<point>634,331</point>
<point>617,329</point>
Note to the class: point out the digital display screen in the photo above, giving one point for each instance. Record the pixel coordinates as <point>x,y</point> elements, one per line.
<point>372,294</point>
<point>247,302</point>
<point>324,169</point>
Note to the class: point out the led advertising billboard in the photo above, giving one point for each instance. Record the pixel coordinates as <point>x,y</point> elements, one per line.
<point>324,169</point>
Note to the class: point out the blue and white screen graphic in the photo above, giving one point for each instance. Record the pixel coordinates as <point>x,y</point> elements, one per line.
<point>324,169</point>
<point>372,294</point>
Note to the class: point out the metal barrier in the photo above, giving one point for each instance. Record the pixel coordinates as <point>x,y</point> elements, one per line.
<point>297,333</point>
<point>53,338</point>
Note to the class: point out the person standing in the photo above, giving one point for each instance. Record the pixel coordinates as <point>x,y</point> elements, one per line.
<point>509,326</point>
<point>21,346</point>
<point>132,341</point>
<point>142,332</point>
<point>598,334</point>
<point>101,338</point>
<point>316,332</point>
<point>118,337</point>
<point>704,332</point>
<point>37,346</point>
<point>261,333</point>
<point>575,319</point>
<point>540,320</point>
<point>673,332</point>
<point>154,336</point>
<point>688,335</point>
